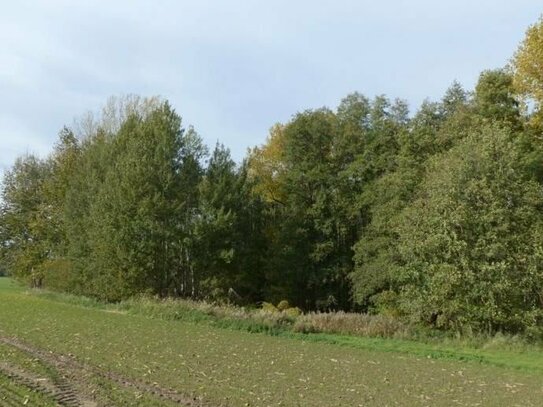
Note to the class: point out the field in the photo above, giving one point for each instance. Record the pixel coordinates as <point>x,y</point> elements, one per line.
<point>53,352</point>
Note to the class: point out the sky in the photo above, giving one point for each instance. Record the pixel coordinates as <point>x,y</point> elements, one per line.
<point>234,68</point>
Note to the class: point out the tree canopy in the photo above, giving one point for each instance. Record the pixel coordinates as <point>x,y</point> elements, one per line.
<point>434,216</point>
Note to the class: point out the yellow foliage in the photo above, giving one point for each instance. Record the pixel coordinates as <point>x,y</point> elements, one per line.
<point>269,307</point>
<point>283,308</point>
<point>293,312</point>
<point>528,68</point>
<point>283,305</point>
<point>267,167</point>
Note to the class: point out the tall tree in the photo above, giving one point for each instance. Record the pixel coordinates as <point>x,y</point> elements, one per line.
<point>24,214</point>
<point>137,240</point>
<point>527,66</point>
<point>470,256</point>
<point>228,232</point>
<point>495,98</point>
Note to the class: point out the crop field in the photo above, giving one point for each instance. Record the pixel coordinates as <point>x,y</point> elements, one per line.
<point>55,353</point>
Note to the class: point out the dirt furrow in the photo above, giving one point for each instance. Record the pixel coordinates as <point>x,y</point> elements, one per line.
<point>57,388</point>
<point>73,371</point>
<point>10,398</point>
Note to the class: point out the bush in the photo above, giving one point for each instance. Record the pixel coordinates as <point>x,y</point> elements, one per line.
<point>269,307</point>
<point>283,305</point>
<point>470,244</point>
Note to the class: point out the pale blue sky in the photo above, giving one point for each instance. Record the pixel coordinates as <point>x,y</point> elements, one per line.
<point>233,68</point>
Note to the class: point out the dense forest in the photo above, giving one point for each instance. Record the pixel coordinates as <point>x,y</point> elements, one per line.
<point>434,216</point>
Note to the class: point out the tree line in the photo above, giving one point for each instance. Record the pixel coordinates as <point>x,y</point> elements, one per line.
<point>434,216</point>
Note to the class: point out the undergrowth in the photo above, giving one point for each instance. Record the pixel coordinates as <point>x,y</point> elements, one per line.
<point>333,327</point>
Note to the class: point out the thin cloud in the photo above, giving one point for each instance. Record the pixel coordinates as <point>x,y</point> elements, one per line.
<point>232,69</point>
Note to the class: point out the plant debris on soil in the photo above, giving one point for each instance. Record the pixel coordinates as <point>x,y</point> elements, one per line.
<point>75,355</point>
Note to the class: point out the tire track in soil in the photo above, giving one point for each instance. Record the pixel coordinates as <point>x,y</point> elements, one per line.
<point>10,398</point>
<point>58,390</point>
<point>72,371</point>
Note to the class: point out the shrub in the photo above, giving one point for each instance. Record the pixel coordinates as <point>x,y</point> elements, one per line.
<point>293,312</point>
<point>269,307</point>
<point>283,305</point>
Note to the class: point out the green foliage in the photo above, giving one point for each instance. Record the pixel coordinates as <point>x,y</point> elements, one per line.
<point>495,98</point>
<point>24,226</point>
<point>314,226</point>
<point>356,330</point>
<point>434,216</point>
<point>282,308</point>
<point>470,256</point>
<point>228,232</point>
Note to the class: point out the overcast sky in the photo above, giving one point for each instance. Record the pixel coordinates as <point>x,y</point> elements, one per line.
<point>233,68</point>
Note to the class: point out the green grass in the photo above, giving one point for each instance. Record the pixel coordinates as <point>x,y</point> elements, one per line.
<point>13,394</point>
<point>232,367</point>
<point>23,360</point>
<point>498,351</point>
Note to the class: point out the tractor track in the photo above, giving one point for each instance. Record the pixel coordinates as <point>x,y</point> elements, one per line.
<point>57,389</point>
<point>68,389</point>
